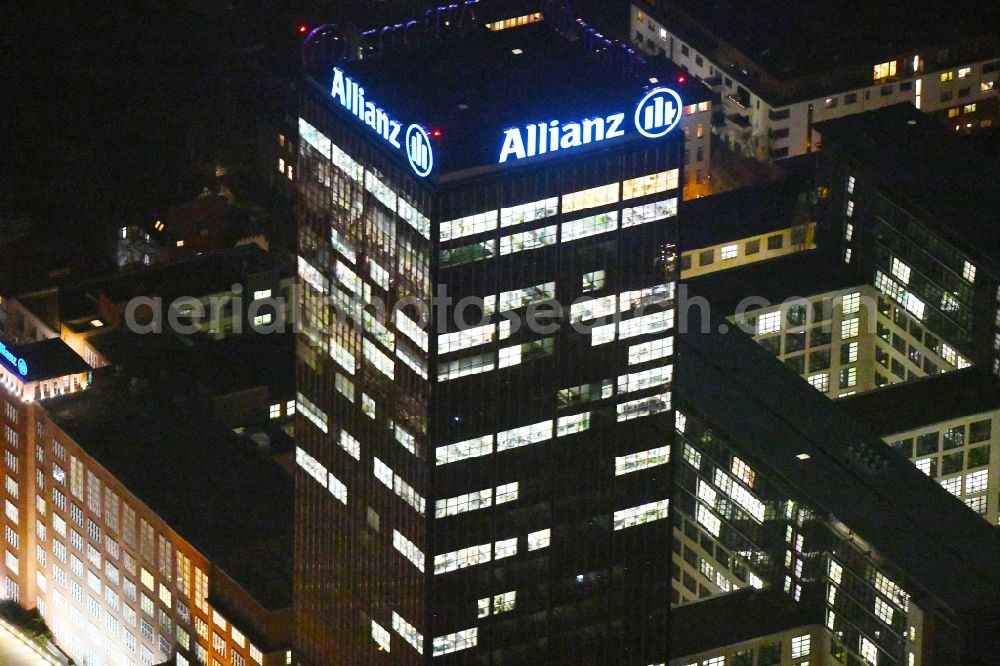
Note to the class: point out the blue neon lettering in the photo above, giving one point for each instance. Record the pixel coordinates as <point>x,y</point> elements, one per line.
<point>19,363</point>
<point>656,114</point>
<point>351,96</point>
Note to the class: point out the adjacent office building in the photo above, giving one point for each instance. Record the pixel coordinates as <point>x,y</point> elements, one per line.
<point>782,67</point>
<point>491,491</point>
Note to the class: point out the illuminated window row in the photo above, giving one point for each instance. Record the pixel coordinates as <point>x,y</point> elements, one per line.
<point>589,226</point>
<point>644,513</point>
<point>409,550</point>
<point>656,322</point>
<point>661,293</point>
<point>529,212</point>
<point>382,335</point>
<point>460,640</point>
<point>472,337</point>
<point>380,635</point>
<point>740,495</point>
<point>343,246</point>
<point>891,591</point>
<point>395,483</point>
<point>515,22</point>
<point>469,225</point>
<point>462,558</point>
<point>412,361</point>
<point>411,329</point>
<point>653,350</point>
<point>512,439</point>
<point>313,277</point>
<point>382,362</point>
<point>408,632</point>
<point>651,212</point>
<point>634,462</point>
<point>318,471</point>
<point>344,358</point>
<point>347,277</point>
<point>650,184</point>
<point>407,440</point>
<point>529,434</point>
<point>481,499</point>
<point>898,293</point>
<point>463,367</point>
<point>590,198</point>
<point>528,240</point>
<point>499,603</point>
<point>593,309</point>
<point>350,444</point>
<point>519,298</point>
<point>634,409</point>
<point>312,412</point>
<point>645,379</point>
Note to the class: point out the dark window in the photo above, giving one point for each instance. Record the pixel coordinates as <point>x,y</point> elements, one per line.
<point>904,446</point>
<point>685,262</point>
<point>887,90</point>
<point>685,50</point>
<point>699,61</point>
<point>798,235</point>
<point>706,257</point>
<point>779,133</point>
<point>906,85</point>
<point>898,369</point>
<point>775,242</point>
<point>954,437</point>
<point>979,431</point>
<point>882,356</point>
<point>772,344</point>
<point>991,67</point>
<point>953,462</point>
<point>779,153</point>
<point>927,444</point>
<point>819,336</point>
<point>947,95</point>
<point>796,364</point>
<point>779,114</point>
<point>899,343</point>
<point>979,456</point>
<point>851,98</point>
<point>728,81</point>
<point>819,360</point>
<point>752,247</point>
<point>964,92</point>
<point>930,367</point>
<point>795,342</point>
<point>769,655</point>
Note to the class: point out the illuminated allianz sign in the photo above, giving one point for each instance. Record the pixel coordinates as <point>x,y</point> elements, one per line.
<point>657,113</point>
<point>415,142</point>
<point>19,363</point>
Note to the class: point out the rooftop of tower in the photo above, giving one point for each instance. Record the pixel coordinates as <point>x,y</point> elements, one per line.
<point>467,84</point>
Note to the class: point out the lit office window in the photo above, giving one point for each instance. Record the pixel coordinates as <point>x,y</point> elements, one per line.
<point>708,520</point>
<point>460,640</point>
<point>507,492</point>
<point>645,379</point>
<point>462,558</point>
<point>634,462</point>
<point>529,434</point>
<point>529,212</point>
<point>656,322</point>
<point>574,423</point>
<point>350,444</point>
<point>743,472</point>
<point>408,632</point>
<point>462,503</point>
<point>470,448</point>
<point>408,549</point>
<point>821,382</point>
<point>900,270</point>
<point>969,272</point>
<point>505,548</point>
<point>590,198</point>
<point>540,539</point>
<point>650,184</point>
<point>650,351</point>
<point>337,488</point>
<point>469,225</point>
<point>463,367</point>
<point>729,252</point>
<point>964,72</point>
<point>769,322</point>
<point>884,70</point>
<point>953,485</point>
<point>851,303</point>
<point>641,407</point>
<point>589,226</point>
<point>380,635</point>
<point>528,240</point>
<point>650,212</point>
<point>638,515</point>
<point>849,328</point>
<point>977,481</point>
<point>472,337</point>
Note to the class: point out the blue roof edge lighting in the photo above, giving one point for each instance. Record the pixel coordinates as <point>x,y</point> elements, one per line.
<point>658,112</point>
<point>18,364</point>
<point>415,143</point>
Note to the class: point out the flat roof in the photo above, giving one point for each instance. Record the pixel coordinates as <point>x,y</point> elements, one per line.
<point>473,86</point>
<point>930,171</point>
<point>748,396</point>
<point>789,38</point>
<point>43,360</point>
<point>925,401</point>
<point>801,275</point>
<point>230,502</point>
<point>727,619</point>
<point>747,211</point>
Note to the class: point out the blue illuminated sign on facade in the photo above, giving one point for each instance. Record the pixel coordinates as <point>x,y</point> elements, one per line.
<point>657,113</point>
<point>418,148</point>
<point>19,363</point>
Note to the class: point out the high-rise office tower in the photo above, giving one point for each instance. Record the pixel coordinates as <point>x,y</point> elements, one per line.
<point>483,489</point>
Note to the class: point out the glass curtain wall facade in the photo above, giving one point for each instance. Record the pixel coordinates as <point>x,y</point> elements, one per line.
<point>484,492</point>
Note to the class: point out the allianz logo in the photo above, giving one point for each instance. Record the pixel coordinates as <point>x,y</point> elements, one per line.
<point>418,148</point>
<point>657,113</point>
